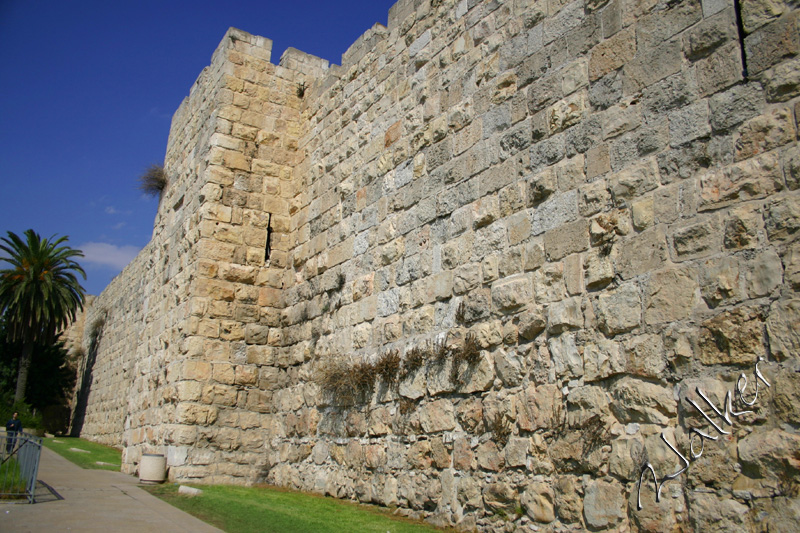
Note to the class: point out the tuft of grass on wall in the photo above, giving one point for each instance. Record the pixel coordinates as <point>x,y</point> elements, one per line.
<point>153,181</point>
<point>388,367</point>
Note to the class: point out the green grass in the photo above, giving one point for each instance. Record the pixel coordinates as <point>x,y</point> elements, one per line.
<point>11,483</point>
<point>95,456</point>
<point>272,510</point>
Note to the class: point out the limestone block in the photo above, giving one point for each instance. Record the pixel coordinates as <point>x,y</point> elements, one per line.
<point>791,261</point>
<point>697,240</point>
<point>512,293</point>
<point>538,502</point>
<point>599,270</point>
<point>500,497</point>
<point>689,123</point>
<point>548,283</point>
<point>634,181</point>
<point>516,451</point>
<point>538,407</point>
<point>720,281</point>
<point>567,360</point>
<point>766,132</point>
<point>612,53</point>
<point>711,512</point>
<point>584,403</point>
<point>439,453</point>
<point>711,33</point>
<point>602,359</point>
<point>463,456</point>
<point>532,322</point>
<point>604,504</point>
<point>735,336</point>
<point>782,220</point>
<point>782,82</point>
<point>763,274</point>
<point>419,455</point>
<point>414,386</point>
<point>620,310</point>
<point>653,62</point>
<point>572,237</point>
<point>569,504</point>
<point>564,315</point>
<point>742,228</point>
<point>642,402</point>
<point>557,210</point>
<point>784,335</point>
<point>769,44</point>
<point>437,416</point>
<point>479,377</point>
<point>720,70</point>
<point>669,296</point>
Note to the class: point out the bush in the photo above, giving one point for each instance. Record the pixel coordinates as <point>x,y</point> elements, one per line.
<point>28,416</point>
<point>153,181</point>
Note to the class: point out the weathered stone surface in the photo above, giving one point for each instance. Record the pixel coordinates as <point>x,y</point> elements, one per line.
<point>619,311</point>
<point>754,178</point>
<point>603,504</point>
<point>642,402</point>
<point>538,407</point>
<point>641,253</point>
<point>765,133</point>
<point>784,335</point>
<point>538,500</point>
<point>782,220</point>
<point>669,296</point>
<point>736,336</point>
<point>437,416</point>
<point>512,293</point>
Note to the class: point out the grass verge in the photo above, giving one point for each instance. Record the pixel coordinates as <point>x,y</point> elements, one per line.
<point>86,454</point>
<point>270,510</point>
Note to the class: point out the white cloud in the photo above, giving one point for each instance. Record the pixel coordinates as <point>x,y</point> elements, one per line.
<point>110,255</point>
<point>111,210</point>
<point>119,225</point>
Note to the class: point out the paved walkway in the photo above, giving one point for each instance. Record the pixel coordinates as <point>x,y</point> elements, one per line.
<point>93,500</point>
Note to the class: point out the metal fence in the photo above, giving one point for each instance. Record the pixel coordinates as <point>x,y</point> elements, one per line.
<point>19,466</point>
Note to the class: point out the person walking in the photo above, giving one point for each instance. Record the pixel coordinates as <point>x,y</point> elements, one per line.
<point>13,426</point>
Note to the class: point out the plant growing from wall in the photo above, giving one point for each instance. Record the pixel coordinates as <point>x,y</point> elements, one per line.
<point>500,429</point>
<point>153,181</point>
<point>469,353</point>
<point>388,367</point>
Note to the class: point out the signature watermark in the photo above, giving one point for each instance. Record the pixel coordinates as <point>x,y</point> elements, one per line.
<point>724,416</point>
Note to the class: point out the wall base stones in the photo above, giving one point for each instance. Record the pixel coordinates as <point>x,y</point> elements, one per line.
<point>567,219</point>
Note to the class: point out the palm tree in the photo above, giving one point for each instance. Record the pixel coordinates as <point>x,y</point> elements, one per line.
<point>39,294</point>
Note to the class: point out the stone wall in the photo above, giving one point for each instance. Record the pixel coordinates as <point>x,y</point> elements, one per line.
<point>568,220</point>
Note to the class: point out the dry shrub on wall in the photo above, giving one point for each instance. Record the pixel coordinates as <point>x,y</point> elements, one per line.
<point>153,181</point>
<point>346,383</point>
<point>414,360</point>
<point>469,353</point>
<point>388,367</point>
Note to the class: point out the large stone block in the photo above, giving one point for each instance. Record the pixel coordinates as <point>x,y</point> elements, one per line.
<point>784,335</point>
<point>620,310</point>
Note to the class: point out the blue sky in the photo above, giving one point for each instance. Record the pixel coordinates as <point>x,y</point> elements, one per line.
<point>87,92</point>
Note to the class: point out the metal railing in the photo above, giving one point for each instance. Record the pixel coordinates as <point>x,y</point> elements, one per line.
<point>19,465</point>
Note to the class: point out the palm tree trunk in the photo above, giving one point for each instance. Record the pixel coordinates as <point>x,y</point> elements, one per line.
<point>24,365</point>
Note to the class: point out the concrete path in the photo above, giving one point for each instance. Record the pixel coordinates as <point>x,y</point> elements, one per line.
<point>92,500</point>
